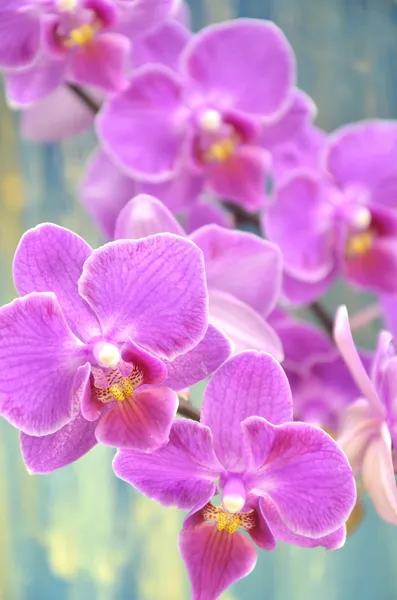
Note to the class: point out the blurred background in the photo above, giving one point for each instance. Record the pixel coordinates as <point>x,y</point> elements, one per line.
<point>80,534</point>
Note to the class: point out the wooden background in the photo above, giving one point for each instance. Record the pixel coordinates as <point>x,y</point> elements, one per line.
<point>81,534</point>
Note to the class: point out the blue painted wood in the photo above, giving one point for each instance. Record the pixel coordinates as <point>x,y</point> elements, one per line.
<point>81,534</point>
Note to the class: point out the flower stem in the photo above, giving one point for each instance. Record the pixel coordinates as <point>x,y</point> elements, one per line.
<point>84,97</point>
<point>322,317</point>
<point>186,409</point>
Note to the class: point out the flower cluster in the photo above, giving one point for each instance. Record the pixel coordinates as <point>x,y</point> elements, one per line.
<point>222,207</point>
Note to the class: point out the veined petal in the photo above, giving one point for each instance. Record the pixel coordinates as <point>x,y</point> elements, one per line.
<point>304,472</point>
<point>145,215</point>
<point>241,264</point>
<point>246,328</point>
<point>250,383</point>
<point>141,423</point>
<point>151,290</point>
<point>215,559</point>
<point>50,258</point>
<point>150,110</point>
<point>332,541</point>
<point>200,362</point>
<point>39,356</point>
<point>344,340</point>
<point>246,63</point>
<point>378,476</point>
<point>178,474</point>
<point>50,452</point>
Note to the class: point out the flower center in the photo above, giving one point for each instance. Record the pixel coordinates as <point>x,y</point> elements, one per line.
<point>217,139</point>
<point>359,243</point>
<point>108,386</point>
<point>67,5</point>
<point>228,521</point>
<point>80,36</point>
<point>107,355</point>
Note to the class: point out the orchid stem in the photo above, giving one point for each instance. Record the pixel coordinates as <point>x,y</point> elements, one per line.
<point>322,317</point>
<point>186,409</point>
<point>84,97</point>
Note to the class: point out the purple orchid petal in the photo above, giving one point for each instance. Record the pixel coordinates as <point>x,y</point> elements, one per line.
<point>194,366</point>
<point>358,427</point>
<point>250,383</point>
<point>105,190</point>
<point>303,150</point>
<point>51,452</point>
<point>163,46</point>
<point>246,328</point>
<point>304,472</point>
<point>101,63</point>
<point>261,533</point>
<point>203,213</point>
<point>376,270</point>
<point>388,303</point>
<point>159,300</point>
<point>378,476</point>
<point>241,264</point>
<point>299,113</point>
<point>215,559</point>
<point>19,35</point>
<point>297,292</point>
<point>50,258</point>
<point>332,541</point>
<point>242,178</point>
<point>224,60</point>
<point>27,86</point>
<point>149,109</point>
<point>139,17</point>
<point>181,12</point>
<point>344,340</point>
<point>142,423</point>
<point>154,370</point>
<point>40,356</point>
<point>300,221</point>
<point>363,153</point>
<point>304,345</point>
<point>57,116</point>
<point>178,474</point>
<point>145,215</point>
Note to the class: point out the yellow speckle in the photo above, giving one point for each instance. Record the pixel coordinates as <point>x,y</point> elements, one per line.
<point>227,521</point>
<point>221,151</point>
<point>81,35</point>
<point>359,243</point>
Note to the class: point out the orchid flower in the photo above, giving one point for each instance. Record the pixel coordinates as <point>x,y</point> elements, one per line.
<point>344,222</point>
<point>207,117</point>
<point>90,351</point>
<point>277,480</point>
<point>369,432</point>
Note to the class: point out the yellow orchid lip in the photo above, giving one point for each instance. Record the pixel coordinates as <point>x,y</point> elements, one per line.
<point>80,36</point>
